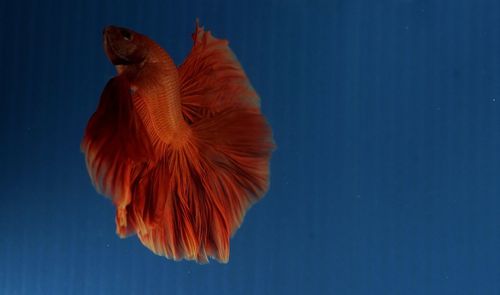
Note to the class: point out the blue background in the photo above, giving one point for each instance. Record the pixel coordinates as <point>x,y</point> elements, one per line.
<point>386,179</point>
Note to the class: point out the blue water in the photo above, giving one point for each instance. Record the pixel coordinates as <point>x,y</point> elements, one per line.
<point>386,179</point>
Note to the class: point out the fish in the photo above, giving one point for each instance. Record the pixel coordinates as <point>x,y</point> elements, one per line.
<point>181,151</point>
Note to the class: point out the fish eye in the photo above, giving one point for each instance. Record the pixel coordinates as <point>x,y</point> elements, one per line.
<point>126,34</point>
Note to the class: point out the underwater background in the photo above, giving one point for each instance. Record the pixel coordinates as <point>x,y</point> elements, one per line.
<point>386,179</point>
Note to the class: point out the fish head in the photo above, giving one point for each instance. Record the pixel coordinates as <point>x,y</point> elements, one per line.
<point>124,46</point>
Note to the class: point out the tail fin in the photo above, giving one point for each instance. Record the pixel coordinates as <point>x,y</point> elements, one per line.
<point>192,202</point>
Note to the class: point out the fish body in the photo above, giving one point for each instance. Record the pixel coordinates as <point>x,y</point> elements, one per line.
<point>182,152</point>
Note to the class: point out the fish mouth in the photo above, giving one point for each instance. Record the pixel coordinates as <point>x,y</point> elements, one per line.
<point>110,47</point>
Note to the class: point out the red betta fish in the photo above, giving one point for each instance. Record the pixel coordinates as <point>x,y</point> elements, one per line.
<point>182,152</point>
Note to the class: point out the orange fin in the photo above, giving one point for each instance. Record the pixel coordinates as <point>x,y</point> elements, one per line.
<point>191,203</point>
<point>195,198</point>
<point>212,79</point>
<point>115,141</point>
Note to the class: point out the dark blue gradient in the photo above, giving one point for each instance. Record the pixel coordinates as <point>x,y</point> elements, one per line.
<point>386,179</point>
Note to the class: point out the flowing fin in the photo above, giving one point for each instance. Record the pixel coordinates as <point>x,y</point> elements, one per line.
<point>195,198</point>
<point>212,79</point>
<point>115,143</point>
<point>190,204</point>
